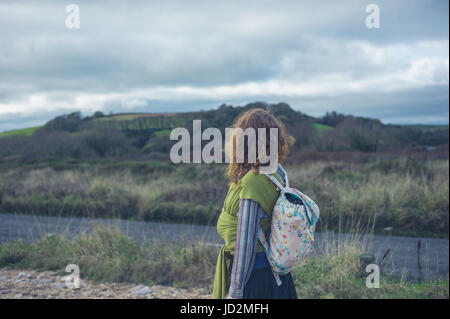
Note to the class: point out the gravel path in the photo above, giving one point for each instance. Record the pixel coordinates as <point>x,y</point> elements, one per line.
<point>28,284</point>
<point>401,261</point>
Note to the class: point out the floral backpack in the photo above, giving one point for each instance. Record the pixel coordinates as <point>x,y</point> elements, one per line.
<point>294,217</point>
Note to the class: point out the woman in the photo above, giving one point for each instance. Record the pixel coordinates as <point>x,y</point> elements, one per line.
<point>243,270</point>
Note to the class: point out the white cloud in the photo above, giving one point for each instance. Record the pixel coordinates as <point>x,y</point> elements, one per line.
<point>418,74</point>
<point>213,51</point>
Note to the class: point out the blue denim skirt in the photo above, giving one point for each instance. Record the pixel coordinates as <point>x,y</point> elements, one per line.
<point>262,283</point>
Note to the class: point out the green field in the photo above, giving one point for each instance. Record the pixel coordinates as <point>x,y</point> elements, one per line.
<point>20,132</point>
<point>162,133</point>
<point>127,117</point>
<point>136,122</point>
<point>322,128</point>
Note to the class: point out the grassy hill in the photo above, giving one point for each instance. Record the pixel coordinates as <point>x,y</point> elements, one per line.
<point>145,135</point>
<point>20,132</point>
<point>322,128</point>
<point>358,169</point>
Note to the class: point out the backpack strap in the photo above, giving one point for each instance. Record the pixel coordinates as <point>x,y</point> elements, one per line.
<point>283,172</point>
<point>261,236</point>
<point>263,241</point>
<point>275,181</point>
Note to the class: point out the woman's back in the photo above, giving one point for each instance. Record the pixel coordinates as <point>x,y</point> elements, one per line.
<point>253,186</point>
<point>243,270</point>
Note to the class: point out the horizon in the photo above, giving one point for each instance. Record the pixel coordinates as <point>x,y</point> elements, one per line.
<point>215,109</point>
<point>187,56</point>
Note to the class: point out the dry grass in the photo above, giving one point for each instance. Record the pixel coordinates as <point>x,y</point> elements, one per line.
<point>108,256</point>
<point>410,196</point>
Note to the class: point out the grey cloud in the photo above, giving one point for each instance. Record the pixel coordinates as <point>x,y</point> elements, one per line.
<point>427,106</point>
<point>122,48</point>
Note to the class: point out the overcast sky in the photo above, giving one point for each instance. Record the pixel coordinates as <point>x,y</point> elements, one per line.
<point>164,56</point>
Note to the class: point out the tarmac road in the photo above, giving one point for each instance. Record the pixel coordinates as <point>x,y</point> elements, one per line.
<point>401,261</point>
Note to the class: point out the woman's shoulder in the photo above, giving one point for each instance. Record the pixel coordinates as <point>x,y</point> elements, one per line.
<point>257,179</point>
<point>253,179</point>
<point>259,188</point>
<point>256,183</point>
